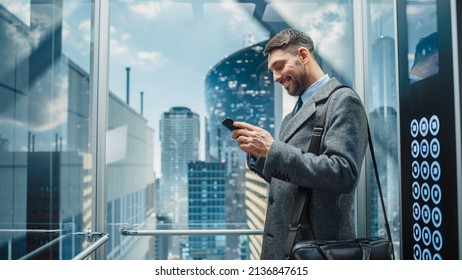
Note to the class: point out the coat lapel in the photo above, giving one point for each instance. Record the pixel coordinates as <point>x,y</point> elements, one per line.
<point>291,125</point>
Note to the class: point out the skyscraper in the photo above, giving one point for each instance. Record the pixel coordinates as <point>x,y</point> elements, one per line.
<point>383,119</point>
<point>207,209</point>
<point>241,87</point>
<point>256,197</point>
<point>179,136</point>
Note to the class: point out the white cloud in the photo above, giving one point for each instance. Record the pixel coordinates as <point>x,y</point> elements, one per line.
<point>328,24</point>
<point>151,58</point>
<point>35,36</point>
<point>21,9</point>
<point>85,27</point>
<point>164,11</point>
<point>49,113</point>
<point>66,30</point>
<point>126,36</point>
<point>290,12</point>
<point>43,28</point>
<point>330,29</point>
<point>149,10</point>
<point>236,14</point>
<point>116,48</point>
<point>326,27</point>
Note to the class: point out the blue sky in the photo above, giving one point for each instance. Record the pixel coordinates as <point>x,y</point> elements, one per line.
<point>169,59</point>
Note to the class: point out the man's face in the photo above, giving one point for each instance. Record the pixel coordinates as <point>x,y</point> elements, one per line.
<point>288,70</point>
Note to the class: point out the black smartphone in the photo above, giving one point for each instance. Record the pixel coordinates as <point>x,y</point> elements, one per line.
<point>228,122</point>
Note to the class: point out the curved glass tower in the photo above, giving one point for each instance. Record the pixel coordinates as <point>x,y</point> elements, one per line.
<point>240,87</point>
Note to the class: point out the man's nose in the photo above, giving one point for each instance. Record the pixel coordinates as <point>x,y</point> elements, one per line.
<point>277,77</point>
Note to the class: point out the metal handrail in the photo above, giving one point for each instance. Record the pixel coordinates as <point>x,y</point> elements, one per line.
<point>103,237</point>
<point>43,247</point>
<point>126,231</point>
<point>46,231</point>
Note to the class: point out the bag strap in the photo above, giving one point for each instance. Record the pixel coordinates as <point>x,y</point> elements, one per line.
<point>304,193</point>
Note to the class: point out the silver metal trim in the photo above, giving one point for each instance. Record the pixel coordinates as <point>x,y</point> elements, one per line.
<point>43,247</point>
<point>99,119</point>
<point>398,128</point>
<point>104,237</point>
<point>91,236</point>
<point>360,85</point>
<point>457,113</point>
<point>45,231</point>
<point>131,232</point>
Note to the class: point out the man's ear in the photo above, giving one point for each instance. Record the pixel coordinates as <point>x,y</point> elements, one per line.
<point>304,54</point>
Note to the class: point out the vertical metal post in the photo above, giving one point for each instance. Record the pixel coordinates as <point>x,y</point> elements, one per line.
<point>99,84</point>
<point>455,12</point>
<point>360,53</point>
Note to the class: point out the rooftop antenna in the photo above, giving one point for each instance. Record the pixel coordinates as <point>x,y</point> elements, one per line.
<point>128,84</point>
<point>141,105</point>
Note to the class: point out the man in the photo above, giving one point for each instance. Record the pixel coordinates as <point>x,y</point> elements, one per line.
<point>331,176</point>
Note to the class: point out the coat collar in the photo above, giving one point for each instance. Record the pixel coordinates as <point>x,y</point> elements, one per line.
<point>291,125</point>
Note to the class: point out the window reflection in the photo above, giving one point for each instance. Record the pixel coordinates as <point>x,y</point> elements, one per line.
<point>422,40</point>
<point>381,97</point>
<point>45,158</point>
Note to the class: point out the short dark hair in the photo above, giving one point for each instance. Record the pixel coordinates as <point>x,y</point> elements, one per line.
<point>290,38</point>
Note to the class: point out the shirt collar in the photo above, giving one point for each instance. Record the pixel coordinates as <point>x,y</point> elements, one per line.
<point>314,87</point>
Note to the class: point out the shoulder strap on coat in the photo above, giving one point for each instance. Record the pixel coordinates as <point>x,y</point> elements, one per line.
<point>315,143</point>
<point>303,194</point>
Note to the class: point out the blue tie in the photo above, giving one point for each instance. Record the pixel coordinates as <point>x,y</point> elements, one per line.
<point>298,105</point>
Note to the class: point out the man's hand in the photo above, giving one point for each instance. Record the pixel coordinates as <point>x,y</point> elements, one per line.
<point>252,139</point>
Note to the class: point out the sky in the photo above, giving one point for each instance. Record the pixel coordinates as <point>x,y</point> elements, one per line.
<point>169,59</point>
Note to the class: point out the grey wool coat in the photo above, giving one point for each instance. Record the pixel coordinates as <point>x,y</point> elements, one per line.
<point>332,175</point>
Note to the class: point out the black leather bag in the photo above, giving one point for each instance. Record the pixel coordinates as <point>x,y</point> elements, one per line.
<point>374,248</point>
<point>366,248</point>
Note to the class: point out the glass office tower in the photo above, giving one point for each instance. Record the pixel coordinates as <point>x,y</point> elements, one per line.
<point>47,157</point>
<point>240,87</point>
<point>179,136</point>
<point>207,182</point>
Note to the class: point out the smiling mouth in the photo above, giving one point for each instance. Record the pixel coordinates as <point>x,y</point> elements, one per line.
<point>286,83</point>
